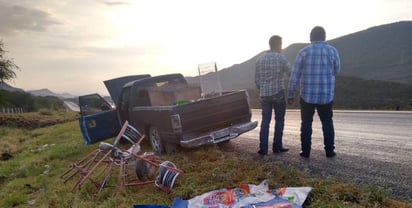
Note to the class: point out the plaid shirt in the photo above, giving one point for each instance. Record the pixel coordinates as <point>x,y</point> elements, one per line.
<point>315,69</point>
<point>271,70</point>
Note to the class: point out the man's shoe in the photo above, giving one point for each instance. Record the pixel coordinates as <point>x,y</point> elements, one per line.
<point>333,154</point>
<point>280,150</point>
<point>304,155</point>
<point>261,153</point>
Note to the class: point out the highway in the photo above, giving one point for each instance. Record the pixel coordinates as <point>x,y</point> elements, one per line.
<point>72,106</point>
<point>373,148</point>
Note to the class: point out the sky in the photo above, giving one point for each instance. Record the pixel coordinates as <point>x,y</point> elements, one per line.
<point>72,46</point>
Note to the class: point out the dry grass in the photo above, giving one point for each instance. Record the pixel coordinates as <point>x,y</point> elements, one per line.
<point>34,120</point>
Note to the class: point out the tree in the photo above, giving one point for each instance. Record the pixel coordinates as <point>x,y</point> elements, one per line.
<point>6,66</point>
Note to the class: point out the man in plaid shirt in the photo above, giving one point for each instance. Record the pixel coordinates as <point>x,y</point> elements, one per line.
<point>272,68</point>
<point>315,68</point>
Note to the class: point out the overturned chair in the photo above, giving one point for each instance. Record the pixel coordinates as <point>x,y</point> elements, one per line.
<point>132,169</point>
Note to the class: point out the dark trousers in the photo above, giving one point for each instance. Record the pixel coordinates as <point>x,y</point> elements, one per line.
<point>325,113</point>
<point>279,108</point>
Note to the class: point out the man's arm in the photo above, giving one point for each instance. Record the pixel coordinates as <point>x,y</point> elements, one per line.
<point>294,78</point>
<point>336,64</point>
<point>287,67</point>
<point>257,77</point>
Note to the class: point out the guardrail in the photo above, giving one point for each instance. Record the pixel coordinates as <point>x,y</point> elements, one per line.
<point>12,110</point>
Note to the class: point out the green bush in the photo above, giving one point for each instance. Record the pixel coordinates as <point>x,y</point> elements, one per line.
<point>29,102</point>
<point>45,112</point>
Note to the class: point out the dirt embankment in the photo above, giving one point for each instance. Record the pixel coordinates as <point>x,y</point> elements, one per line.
<point>35,120</point>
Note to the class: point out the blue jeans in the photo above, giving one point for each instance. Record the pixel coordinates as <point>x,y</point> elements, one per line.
<point>325,113</point>
<point>279,107</point>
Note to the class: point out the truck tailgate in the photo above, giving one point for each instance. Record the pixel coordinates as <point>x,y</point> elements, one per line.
<point>214,113</point>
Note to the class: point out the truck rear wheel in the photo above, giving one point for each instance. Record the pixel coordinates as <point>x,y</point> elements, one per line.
<point>155,140</point>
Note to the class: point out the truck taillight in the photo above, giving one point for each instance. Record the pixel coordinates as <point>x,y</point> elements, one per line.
<point>248,102</point>
<point>176,124</point>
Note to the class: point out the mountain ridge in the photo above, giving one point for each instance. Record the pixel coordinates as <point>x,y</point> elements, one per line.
<point>377,53</point>
<point>40,92</point>
<point>46,92</point>
<point>5,86</point>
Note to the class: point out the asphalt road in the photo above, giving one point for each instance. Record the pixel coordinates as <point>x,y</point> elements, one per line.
<point>373,148</point>
<point>72,106</point>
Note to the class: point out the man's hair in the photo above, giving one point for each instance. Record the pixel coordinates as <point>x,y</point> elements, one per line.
<point>275,41</point>
<point>317,34</point>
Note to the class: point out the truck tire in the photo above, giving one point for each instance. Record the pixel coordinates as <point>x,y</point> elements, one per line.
<point>155,140</point>
<point>142,170</point>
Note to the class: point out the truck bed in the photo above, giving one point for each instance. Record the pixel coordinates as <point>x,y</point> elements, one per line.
<point>197,117</point>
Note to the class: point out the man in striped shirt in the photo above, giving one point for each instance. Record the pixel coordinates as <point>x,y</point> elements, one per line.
<point>272,68</point>
<point>315,68</point>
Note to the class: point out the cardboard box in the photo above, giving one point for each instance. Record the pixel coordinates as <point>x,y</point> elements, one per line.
<point>172,94</point>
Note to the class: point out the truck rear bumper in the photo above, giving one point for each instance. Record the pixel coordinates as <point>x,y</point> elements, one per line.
<point>219,135</point>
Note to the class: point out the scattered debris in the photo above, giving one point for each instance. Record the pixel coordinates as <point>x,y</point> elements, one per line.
<point>46,172</point>
<point>245,196</point>
<point>133,169</point>
<point>31,202</point>
<point>6,156</point>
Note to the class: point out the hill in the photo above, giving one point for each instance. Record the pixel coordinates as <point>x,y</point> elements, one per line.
<point>41,92</point>
<point>376,69</point>
<point>378,53</point>
<point>356,93</point>
<point>359,94</point>
<point>47,92</point>
<point>5,86</point>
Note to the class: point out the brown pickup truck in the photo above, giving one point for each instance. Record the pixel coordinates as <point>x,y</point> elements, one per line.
<point>168,110</point>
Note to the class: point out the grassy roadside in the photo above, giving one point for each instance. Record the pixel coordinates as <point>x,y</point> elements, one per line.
<point>30,176</point>
<point>38,119</point>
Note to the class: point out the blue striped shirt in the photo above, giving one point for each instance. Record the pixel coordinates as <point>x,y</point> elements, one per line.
<point>271,70</point>
<point>315,68</point>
